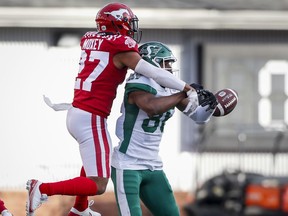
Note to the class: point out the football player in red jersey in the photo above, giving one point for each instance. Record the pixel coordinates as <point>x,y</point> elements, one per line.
<point>106,55</point>
<point>3,210</point>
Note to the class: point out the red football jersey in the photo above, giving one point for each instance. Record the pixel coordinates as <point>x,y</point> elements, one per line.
<point>98,78</point>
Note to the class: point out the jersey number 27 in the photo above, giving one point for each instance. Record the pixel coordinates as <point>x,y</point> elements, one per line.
<point>95,71</point>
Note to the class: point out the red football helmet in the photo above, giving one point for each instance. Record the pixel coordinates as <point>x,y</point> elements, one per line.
<point>118,18</point>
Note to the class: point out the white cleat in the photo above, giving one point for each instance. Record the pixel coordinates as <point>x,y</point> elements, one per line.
<point>35,198</point>
<point>86,212</point>
<point>6,213</point>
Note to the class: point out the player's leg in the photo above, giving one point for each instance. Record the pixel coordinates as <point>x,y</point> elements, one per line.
<point>81,202</point>
<point>3,210</point>
<point>95,146</point>
<point>91,133</point>
<point>156,193</point>
<point>2,206</point>
<point>126,189</point>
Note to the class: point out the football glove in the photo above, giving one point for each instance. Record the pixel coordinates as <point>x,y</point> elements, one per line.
<point>201,115</point>
<point>205,97</point>
<point>208,98</point>
<point>197,87</point>
<point>199,90</point>
<point>193,98</point>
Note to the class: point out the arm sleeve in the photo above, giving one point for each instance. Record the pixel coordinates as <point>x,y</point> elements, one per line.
<point>161,76</point>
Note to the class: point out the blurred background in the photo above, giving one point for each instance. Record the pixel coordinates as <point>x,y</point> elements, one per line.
<point>235,44</point>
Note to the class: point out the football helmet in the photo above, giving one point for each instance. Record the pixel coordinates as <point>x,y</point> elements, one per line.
<point>157,54</point>
<point>118,18</point>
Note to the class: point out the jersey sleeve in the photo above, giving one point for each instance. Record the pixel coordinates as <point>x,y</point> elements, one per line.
<point>125,44</point>
<point>137,82</point>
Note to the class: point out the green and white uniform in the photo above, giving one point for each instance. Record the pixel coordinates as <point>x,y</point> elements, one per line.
<point>136,164</point>
<point>139,135</point>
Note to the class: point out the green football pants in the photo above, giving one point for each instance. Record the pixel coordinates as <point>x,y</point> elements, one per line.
<point>152,187</point>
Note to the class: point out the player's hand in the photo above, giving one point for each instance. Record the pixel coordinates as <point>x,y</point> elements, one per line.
<point>197,87</point>
<point>199,90</point>
<point>208,98</point>
<point>193,97</point>
<point>205,97</point>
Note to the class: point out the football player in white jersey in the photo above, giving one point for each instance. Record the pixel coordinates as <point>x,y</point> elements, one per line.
<point>136,166</point>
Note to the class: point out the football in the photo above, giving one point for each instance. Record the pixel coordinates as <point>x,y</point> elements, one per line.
<point>227,101</point>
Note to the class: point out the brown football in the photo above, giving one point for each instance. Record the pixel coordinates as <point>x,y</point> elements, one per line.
<point>227,101</point>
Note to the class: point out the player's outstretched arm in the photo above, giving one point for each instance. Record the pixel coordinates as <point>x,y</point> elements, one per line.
<point>155,105</point>
<point>207,103</point>
<point>199,114</point>
<point>134,61</point>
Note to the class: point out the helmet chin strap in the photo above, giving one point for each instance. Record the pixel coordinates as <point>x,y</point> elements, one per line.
<point>116,28</point>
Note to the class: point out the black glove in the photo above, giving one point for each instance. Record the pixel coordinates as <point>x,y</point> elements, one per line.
<point>205,97</point>
<point>208,98</point>
<point>197,87</point>
<point>199,90</point>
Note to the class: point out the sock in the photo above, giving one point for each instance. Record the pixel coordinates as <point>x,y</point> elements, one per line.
<point>81,202</point>
<point>79,186</point>
<point>2,206</point>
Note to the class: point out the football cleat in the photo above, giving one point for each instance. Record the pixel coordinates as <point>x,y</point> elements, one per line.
<point>35,198</point>
<point>86,212</point>
<point>6,213</point>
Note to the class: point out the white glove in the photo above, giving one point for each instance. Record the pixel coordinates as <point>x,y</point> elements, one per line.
<point>193,103</point>
<point>193,97</point>
<point>57,107</point>
<point>202,114</point>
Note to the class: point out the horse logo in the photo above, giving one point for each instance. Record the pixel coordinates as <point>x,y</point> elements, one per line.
<point>118,14</point>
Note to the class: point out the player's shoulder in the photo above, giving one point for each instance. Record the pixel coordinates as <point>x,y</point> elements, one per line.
<point>90,34</point>
<point>138,78</point>
<point>139,82</point>
<point>120,43</point>
<point>123,42</point>
<point>113,38</point>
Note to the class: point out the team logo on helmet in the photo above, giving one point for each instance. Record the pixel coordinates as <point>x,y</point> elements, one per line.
<point>118,14</point>
<point>150,51</point>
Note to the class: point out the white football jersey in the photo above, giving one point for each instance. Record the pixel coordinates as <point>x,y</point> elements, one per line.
<point>139,134</point>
